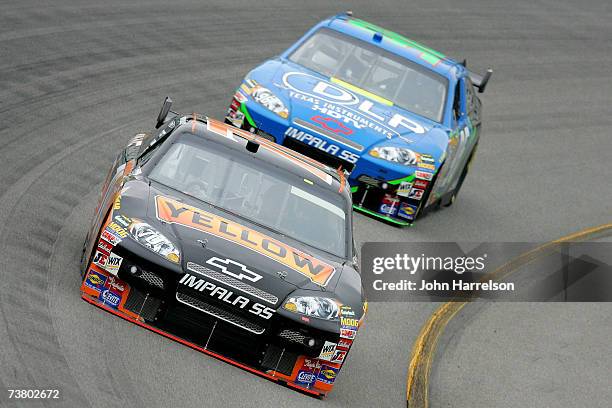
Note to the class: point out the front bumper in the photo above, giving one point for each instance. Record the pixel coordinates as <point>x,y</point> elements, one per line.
<point>280,354</point>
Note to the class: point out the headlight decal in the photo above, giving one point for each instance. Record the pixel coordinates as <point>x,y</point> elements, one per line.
<point>404,156</point>
<point>154,240</point>
<point>313,306</point>
<point>268,100</point>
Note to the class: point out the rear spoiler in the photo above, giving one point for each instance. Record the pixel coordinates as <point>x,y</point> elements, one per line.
<point>479,81</point>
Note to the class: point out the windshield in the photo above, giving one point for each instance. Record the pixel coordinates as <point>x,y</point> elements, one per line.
<point>375,70</point>
<point>279,201</point>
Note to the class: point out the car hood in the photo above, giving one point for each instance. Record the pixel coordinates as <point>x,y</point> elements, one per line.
<point>334,109</point>
<point>210,238</point>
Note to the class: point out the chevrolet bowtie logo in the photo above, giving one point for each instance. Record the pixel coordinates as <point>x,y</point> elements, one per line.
<point>233,269</point>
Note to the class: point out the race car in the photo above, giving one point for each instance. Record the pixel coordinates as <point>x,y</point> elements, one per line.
<point>401,118</point>
<point>230,244</point>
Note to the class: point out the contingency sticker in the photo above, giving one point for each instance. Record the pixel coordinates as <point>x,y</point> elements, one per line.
<point>327,352</point>
<point>327,374</point>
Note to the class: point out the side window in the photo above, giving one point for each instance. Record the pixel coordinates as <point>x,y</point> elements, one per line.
<point>473,103</point>
<point>457,105</point>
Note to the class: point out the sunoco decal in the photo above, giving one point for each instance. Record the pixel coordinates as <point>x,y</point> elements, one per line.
<point>175,212</point>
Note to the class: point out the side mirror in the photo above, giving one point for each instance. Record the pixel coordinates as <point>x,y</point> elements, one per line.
<point>161,118</point>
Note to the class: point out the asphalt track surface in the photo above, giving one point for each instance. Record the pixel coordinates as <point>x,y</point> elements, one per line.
<point>77,79</point>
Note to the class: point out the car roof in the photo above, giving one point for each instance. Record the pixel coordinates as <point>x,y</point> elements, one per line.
<point>268,151</point>
<point>392,42</point>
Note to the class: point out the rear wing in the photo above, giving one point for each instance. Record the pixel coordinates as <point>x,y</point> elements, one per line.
<point>480,81</point>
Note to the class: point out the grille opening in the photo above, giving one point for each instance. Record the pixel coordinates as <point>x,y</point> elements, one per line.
<point>144,305</point>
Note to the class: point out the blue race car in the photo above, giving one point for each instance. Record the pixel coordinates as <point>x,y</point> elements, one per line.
<point>402,119</point>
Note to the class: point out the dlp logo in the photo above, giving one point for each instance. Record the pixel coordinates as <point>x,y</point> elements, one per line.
<point>314,87</point>
<point>234,269</point>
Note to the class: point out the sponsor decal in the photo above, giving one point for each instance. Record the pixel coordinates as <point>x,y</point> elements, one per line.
<point>113,263</point>
<point>346,310</point>
<point>349,323</point>
<point>420,184</point>
<point>105,247</point>
<point>117,229</point>
<point>109,298</point>
<point>234,269</point>
<point>348,334</point>
<point>416,193</point>
<point>330,98</point>
<point>427,166</point>
<point>117,203</point>
<point>175,212</point>
<point>332,125</point>
<point>339,356</point>
<point>404,189</point>
<point>427,158</point>
<point>100,259</point>
<point>110,236</point>
<point>123,221</point>
<point>115,284</point>
<point>227,296</point>
<point>328,350</point>
<point>407,211</point>
<point>321,144</point>
<point>95,280</point>
<point>389,205</point>
<point>344,344</point>
<point>327,374</point>
<point>423,175</point>
<point>311,364</point>
<point>306,378</point>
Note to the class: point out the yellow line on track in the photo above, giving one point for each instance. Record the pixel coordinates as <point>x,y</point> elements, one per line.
<point>423,350</point>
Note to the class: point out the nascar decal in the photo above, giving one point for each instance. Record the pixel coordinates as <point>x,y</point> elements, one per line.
<point>117,230</point>
<point>346,311</point>
<point>404,189</point>
<point>306,378</point>
<point>423,175</point>
<point>416,193</point>
<point>175,212</point>
<point>328,351</point>
<point>115,284</point>
<point>100,259</point>
<point>95,280</point>
<point>113,263</point>
<point>418,183</point>
<point>321,144</point>
<point>407,211</point>
<point>344,344</point>
<point>307,375</point>
<point>339,356</point>
<point>348,334</point>
<point>224,130</point>
<point>110,298</point>
<point>339,102</point>
<point>327,374</point>
<point>110,236</point>
<point>105,247</point>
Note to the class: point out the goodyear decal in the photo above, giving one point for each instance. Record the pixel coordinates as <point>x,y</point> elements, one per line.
<point>175,212</point>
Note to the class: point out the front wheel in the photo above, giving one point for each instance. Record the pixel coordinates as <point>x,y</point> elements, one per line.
<point>464,173</point>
